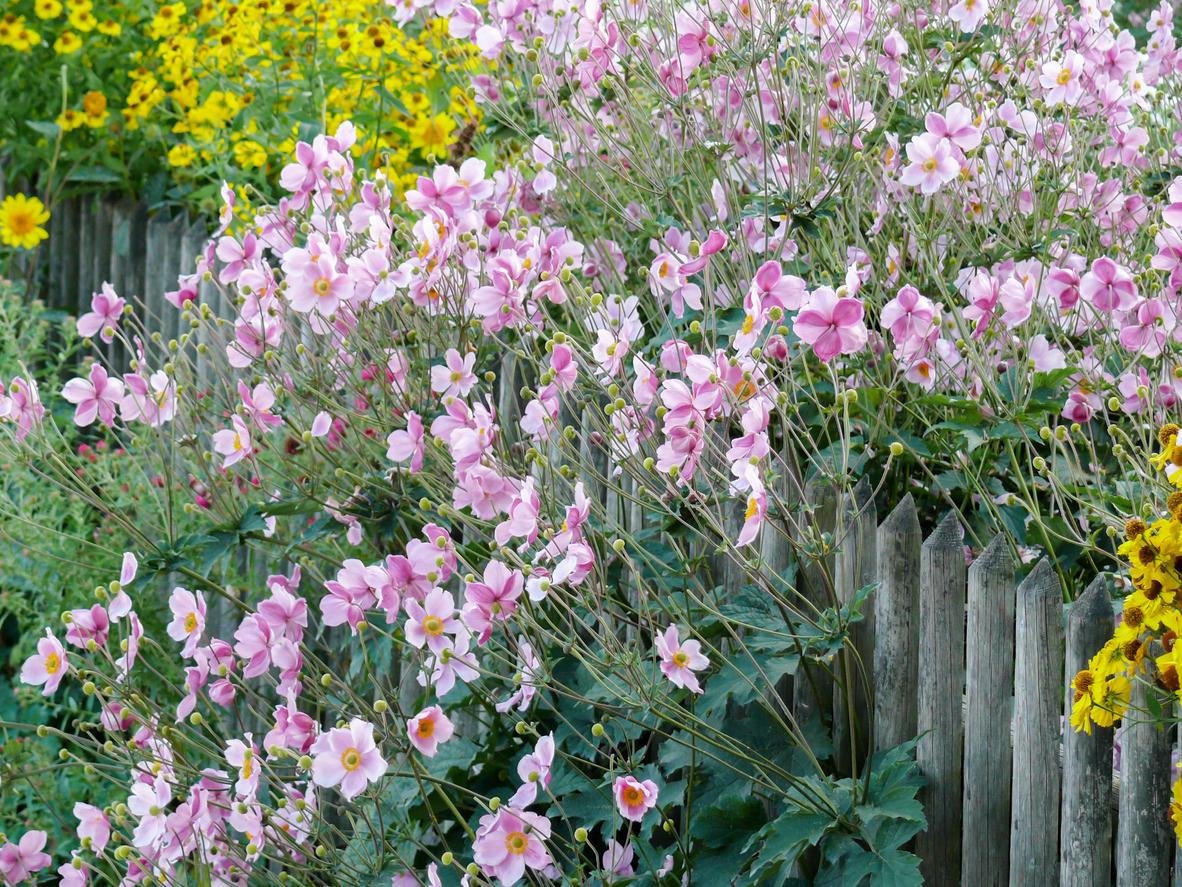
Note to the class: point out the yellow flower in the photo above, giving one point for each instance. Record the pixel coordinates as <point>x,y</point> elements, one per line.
<point>47,9</point>
<point>432,135</point>
<point>83,20</point>
<point>249,154</point>
<point>1176,807</point>
<point>67,43</point>
<point>94,106</point>
<point>21,219</point>
<point>110,28</point>
<point>181,155</point>
<point>69,120</point>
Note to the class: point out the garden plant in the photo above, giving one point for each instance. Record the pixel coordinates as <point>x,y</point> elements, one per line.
<point>493,514</point>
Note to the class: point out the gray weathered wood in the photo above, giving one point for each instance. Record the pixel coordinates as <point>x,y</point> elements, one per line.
<point>100,266</point>
<point>83,283</point>
<point>896,620</point>
<point>156,272</point>
<point>1144,839</point>
<point>856,569</point>
<point>989,687</point>
<point>1038,677</point>
<point>815,575</point>
<point>64,296</point>
<point>941,682</point>
<point>1085,837</point>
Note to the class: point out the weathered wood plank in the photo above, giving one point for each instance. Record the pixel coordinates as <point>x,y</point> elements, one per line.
<point>1144,839</point>
<point>941,681</point>
<point>856,569</point>
<point>1085,837</point>
<point>896,616</point>
<point>1038,677</point>
<point>989,687</point>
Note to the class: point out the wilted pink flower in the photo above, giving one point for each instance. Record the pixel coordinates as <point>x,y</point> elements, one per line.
<point>347,757</point>
<point>47,666</point>
<point>633,797</point>
<point>429,729</point>
<point>508,842</point>
<point>679,661</point>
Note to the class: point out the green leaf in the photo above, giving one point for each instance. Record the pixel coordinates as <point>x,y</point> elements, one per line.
<point>47,128</point>
<point>94,175</point>
<point>787,836</point>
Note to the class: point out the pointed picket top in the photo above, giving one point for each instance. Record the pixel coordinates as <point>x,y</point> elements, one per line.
<point>1094,604</point>
<point>904,518</point>
<point>996,558</point>
<point>1040,582</point>
<point>947,534</point>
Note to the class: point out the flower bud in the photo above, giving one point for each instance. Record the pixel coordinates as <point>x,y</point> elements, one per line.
<point>896,449</point>
<point>581,835</point>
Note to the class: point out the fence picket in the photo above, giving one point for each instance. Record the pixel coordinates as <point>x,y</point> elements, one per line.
<point>1144,839</point>
<point>1085,842</point>
<point>896,613</point>
<point>989,685</point>
<point>1038,677</point>
<point>941,689</point>
<point>814,691</point>
<point>856,568</point>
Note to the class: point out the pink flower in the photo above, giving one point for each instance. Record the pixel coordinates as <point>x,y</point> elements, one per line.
<point>969,14</point>
<point>679,661</point>
<point>19,861</point>
<point>255,641</point>
<point>432,621</point>
<point>429,729</point>
<point>95,397</point>
<point>455,379</point>
<point>522,521</point>
<point>188,618</point>
<point>534,770</point>
<point>233,443</point>
<point>407,445</point>
<point>633,797</point>
<point>243,758</point>
<point>106,308</point>
<point>753,516</point>
<point>347,757</point>
<point>1108,286</point>
<point>911,320</point>
<point>93,828</point>
<point>1146,329</point>
<point>832,325</point>
<point>494,599</point>
<point>1062,80</point>
<point>508,842</point>
<point>320,287</point>
<point>47,666</point>
<point>618,859</point>
<point>932,163</point>
<point>88,625</point>
<point>1044,356</point>
<point>149,804</point>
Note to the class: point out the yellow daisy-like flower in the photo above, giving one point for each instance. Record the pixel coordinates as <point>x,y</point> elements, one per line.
<point>432,135</point>
<point>94,106</point>
<point>47,9</point>
<point>69,120</point>
<point>249,154</point>
<point>181,155</point>
<point>110,28</point>
<point>21,218</point>
<point>68,42</point>
<point>83,20</point>
<point>1176,805</point>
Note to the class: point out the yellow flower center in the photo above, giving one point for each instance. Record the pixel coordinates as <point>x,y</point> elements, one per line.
<point>426,728</point>
<point>516,843</point>
<point>930,164</point>
<point>21,222</point>
<point>53,663</point>
<point>433,626</point>
<point>752,508</point>
<point>191,623</point>
<point>322,286</point>
<point>681,660</point>
<point>350,759</point>
<point>633,796</point>
<point>1064,77</point>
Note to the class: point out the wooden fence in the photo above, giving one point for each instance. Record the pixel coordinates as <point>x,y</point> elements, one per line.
<point>979,666</point>
<point>96,239</point>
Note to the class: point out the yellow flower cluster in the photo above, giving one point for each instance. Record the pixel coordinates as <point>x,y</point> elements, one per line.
<point>234,82</point>
<point>1144,642</point>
